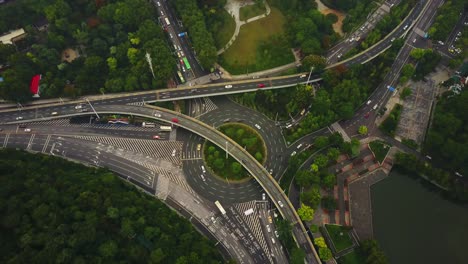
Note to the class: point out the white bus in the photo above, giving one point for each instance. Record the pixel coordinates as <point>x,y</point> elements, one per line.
<point>148,124</point>
<point>220,207</point>
<point>249,212</point>
<point>165,128</point>
<point>167,21</point>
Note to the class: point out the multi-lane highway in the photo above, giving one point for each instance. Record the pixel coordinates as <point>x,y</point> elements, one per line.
<point>115,104</point>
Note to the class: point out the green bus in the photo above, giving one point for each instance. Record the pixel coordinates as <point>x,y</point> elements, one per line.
<point>187,64</point>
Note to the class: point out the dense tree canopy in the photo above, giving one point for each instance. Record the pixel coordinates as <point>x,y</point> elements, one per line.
<point>52,210</point>
<point>111,39</point>
<point>447,140</point>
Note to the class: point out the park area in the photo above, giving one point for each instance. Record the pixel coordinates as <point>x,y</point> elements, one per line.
<point>260,45</point>
<point>339,236</point>
<point>228,168</point>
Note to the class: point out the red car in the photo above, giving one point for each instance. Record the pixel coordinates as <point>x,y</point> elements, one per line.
<point>260,85</point>
<point>156,137</point>
<point>175,120</point>
<point>366,115</point>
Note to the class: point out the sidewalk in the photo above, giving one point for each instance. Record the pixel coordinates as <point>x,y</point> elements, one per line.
<point>226,75</point>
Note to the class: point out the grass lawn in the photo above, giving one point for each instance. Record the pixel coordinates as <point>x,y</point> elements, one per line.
<point>340,237</point>
<point>352,258</point>
<point>380,149</point>
<point>250,11</point>
<point>260,45</point>
<point>226,29</point>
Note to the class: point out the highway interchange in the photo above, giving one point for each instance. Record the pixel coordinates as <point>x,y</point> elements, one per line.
<point>68,141</point>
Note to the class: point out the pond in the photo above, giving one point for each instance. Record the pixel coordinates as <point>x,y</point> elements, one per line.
<point>416,225</point>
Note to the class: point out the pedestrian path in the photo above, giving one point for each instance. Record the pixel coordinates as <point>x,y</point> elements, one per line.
<point>233,8</point>
<point>153,148</point>
<point>253,223</point>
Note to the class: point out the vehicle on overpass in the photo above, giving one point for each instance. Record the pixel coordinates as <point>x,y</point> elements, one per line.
<point>220,207</point>
<point>165,128</point>
<point>148,124</point>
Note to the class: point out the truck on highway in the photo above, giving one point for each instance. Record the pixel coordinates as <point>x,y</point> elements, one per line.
<point>220,207</point>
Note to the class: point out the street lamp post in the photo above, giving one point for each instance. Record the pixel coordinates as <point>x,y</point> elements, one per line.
<point>227,152</point>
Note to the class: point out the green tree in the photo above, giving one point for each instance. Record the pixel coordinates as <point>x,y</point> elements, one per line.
<point>108,249</point>
<point>315,61</point>
<point>311,197</point>
<point>306,213</point>
<point>329,181</point>
<point>321,141</point>
<point>297,256</point>
<point>320,242</point>
<point>321,161</point>
<point>219,163</point>
<point>405,93</point>
<point>362,130</point>
<point>236,167</point>
<point>417,53</point>
<point>333,154</point>
<point>157,256</point>
<point>325,254</point>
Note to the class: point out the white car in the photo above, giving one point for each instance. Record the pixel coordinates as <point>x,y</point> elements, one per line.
<point>27,130</point>
<point>213,219</point>
<point>228,86</point>
<point>157,115</point>
<point>375,106</point>
<point>293,153</point>
<point>273,240</point>
<point>268,228</point>
<point>19,118</point>
<point>54,113</point>
<point>280,204</point>
<point>299,146</point>
<point>203,177</point>
<point>368,102</point>
<point>303,76</point>
<point>203,169</point>
<point>173,153</point>
<point>159,4</point>
<point>258,126</point>
<point>276,234</point>
<point>79,106</point>
<point>263,196</point>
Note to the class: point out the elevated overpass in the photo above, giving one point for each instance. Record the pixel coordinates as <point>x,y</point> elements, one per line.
<point>267,182</point>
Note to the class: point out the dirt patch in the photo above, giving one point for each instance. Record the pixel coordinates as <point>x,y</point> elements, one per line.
<point>69,55</point>
<point>341,16</point>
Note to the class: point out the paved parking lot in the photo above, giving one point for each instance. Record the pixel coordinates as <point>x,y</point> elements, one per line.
<point>416,111</point>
